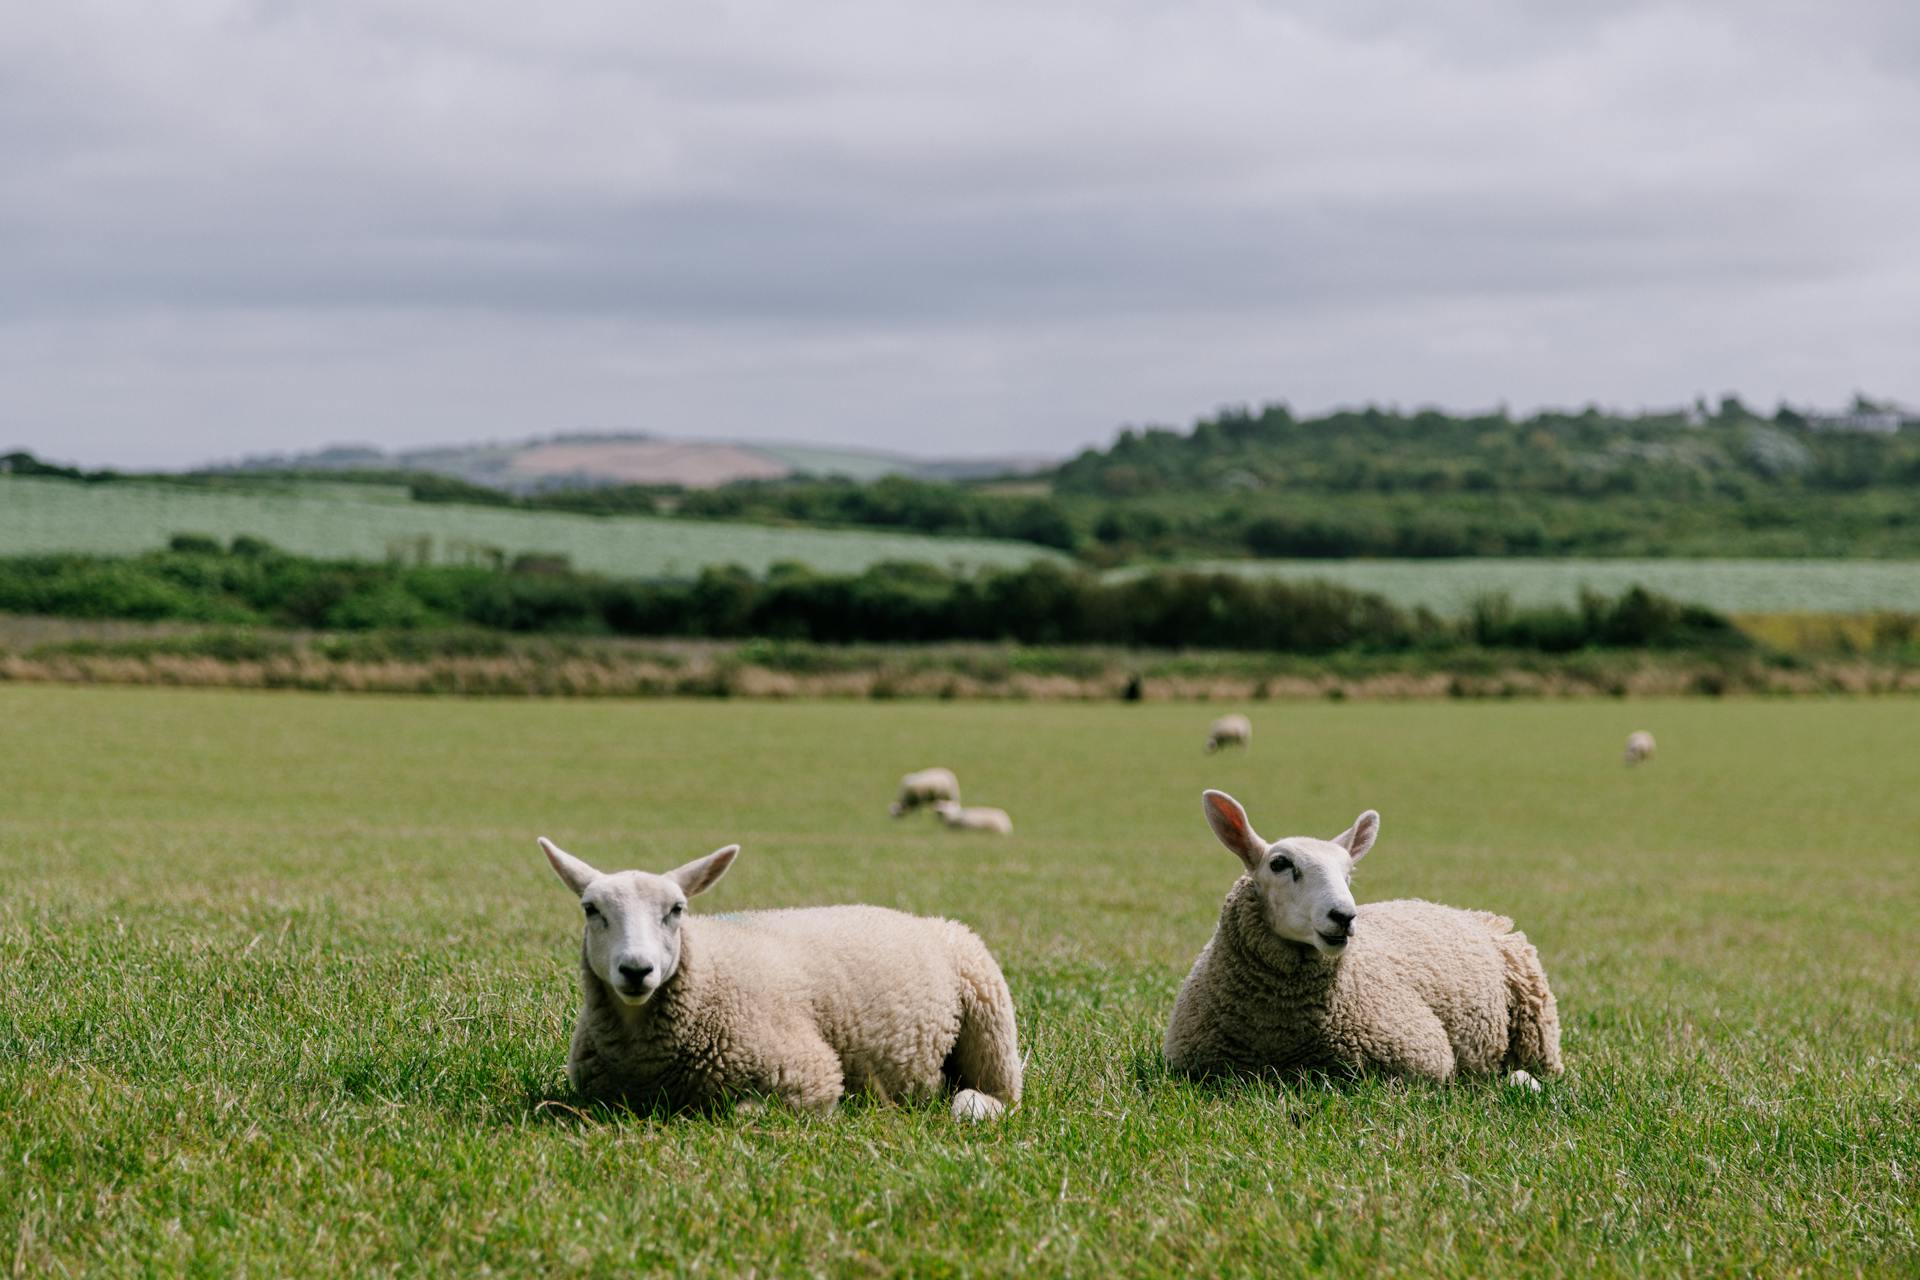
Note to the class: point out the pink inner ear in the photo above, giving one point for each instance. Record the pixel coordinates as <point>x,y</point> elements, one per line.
<point>1233,829</point>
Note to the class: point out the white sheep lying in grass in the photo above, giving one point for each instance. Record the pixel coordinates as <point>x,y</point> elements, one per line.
<point>975,818</point>
<point>1299,978</point>
<point>1640,746</point>
<point>1230,731</point>
<point>928,786</point>
<point>804,1006</point>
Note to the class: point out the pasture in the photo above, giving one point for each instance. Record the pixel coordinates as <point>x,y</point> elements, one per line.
<point>288,987</point>
<point>371,522</point>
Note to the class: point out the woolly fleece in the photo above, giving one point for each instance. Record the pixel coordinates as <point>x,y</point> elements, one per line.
<point>926,786</point>
<point>1421,990</point>
<point>805,1006</point>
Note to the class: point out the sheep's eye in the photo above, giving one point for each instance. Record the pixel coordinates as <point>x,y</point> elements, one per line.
<point>677,908</point>
<point>592,911</point>
<point>1279,865</point>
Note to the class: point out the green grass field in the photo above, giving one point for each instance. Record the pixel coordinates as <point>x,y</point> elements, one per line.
<point>1449,587</point>
<point>369,522</point>
<point>287,989</point>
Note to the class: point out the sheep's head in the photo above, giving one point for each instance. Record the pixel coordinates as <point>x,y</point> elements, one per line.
<point>1303,882</point>
<point>633,919</point>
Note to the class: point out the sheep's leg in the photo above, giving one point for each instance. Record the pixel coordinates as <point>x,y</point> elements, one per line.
<point>985,1060</point>
<point>971,1104</point>
<point>809,1076</point>
<point>1414,1046</point>
<point>1533,1019</point>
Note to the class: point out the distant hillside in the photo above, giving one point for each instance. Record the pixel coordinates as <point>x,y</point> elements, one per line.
<point>381,522</point>
<point>593,461</point>
<point>1730,452</point>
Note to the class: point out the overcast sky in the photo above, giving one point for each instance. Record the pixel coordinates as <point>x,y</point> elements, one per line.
<point>949,226</point>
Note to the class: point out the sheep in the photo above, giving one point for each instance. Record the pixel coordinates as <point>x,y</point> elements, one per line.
<point>802,1006</point>
<point>1298,978</point>
<point>928,786</point>
<point>1230,731</point>
<point>974,819</point>
<point>1640,746</point>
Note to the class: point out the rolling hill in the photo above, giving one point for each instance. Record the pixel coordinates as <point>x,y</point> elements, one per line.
<point>593,460</point>
<point>381,522</point>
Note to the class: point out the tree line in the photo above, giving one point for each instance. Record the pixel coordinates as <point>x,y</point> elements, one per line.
<point>250,582</point>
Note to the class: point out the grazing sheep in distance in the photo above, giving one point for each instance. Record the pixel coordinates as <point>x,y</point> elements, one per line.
<point>1640,746</point>
<point>1230,731</point>
<point>928,786</point>
<point>974,819</point>
<point>1298,978</point>
<point>804,1006</point>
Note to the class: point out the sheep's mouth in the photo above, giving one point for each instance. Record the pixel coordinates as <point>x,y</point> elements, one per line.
<point>1335,940</point>
<point>638,996</point>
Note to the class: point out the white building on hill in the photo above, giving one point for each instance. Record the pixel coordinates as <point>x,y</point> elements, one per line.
<point>1884,422</point>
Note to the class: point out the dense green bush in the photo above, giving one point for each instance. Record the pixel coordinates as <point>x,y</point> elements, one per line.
<point>893,502</point>
<point>1041,604</point>
<point>90,587</point>
<point>1637,619</point>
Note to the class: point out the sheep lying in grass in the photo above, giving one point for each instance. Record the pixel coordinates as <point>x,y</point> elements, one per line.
<point>928,786</point>
<point>1230,731</point>
<point>974,819</point>
<point>804,1006</point>
<point>1299,978</point>
<point>1640,746</point>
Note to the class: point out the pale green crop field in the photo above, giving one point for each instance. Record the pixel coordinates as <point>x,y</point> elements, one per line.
<point>365,522</point>
<point>288,985</point>
<point>1449,587</point>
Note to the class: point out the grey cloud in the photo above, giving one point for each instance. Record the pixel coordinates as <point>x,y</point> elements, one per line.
<point>269,225</point>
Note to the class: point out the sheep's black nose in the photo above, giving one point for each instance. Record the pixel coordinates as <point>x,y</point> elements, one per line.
<point>634,974</point>
<point>1342,920</point>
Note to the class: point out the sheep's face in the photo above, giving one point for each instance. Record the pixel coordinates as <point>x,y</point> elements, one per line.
<point>633,919</point>
<point>1304,883</point>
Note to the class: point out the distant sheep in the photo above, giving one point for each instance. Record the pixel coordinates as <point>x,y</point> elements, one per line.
<point>804,1006</point>
<point>1640,746</point>
<point>974,819</point>
<point>1230,731</point>
<point>927,787</point>
<point>1298,978</point>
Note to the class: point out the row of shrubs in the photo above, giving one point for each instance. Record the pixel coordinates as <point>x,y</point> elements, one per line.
<point>890,502</point>
<point>250,582</point>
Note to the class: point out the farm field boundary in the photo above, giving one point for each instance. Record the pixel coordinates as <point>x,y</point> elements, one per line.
<point>62,651</point>
<point>1450,587</point>
<point>369,523</point>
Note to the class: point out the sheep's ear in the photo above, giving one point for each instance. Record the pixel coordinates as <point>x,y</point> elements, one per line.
<point>702,874</point>
<point>576,874</point>
<point>1359,837</point>
<point>1230,826</point>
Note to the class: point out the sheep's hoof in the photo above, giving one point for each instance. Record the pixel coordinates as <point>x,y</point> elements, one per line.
<point>971,1104</point>
<point>1522,1080</point>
